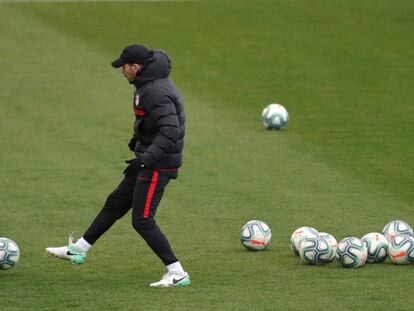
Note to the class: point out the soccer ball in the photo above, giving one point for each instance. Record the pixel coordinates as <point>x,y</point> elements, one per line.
<point>351,252</point>
<point>377,247</point>
<point>316,251</point>
<point>331,241</point>
<point>255,235</point>
<point>397,227</point>
<point>300,234</point>
<point>401,249</point>
<point>9,253</point>
<point>275,116</point>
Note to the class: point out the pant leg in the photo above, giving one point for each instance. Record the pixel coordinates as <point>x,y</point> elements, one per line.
<point>148,192</point>
<point>117,204</point>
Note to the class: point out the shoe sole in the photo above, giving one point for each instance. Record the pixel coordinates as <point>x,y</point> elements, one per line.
<point>55,256</point>
<point>181,283</point>
<point>77,263</point>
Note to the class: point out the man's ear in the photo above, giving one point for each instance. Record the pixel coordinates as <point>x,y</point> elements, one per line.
<point>138,68</point>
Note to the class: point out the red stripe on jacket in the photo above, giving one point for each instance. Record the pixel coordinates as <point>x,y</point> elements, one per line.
<point>139,112</point>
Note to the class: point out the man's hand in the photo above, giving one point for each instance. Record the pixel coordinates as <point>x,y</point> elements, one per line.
<point>133,165</point>
<point>135,161</point>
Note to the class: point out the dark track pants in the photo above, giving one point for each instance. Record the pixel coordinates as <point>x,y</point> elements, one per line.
<point>142,190</point>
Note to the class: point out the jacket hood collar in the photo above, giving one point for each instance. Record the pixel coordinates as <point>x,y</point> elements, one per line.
<point>158,67</point>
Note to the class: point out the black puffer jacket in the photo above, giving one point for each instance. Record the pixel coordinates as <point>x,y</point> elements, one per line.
<point>159,124</point>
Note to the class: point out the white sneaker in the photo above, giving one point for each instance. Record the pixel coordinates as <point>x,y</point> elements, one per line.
<point>170,280</point>
<point>67,252</point>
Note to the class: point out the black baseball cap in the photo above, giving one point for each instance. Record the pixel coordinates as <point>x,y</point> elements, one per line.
<point>133,54</point>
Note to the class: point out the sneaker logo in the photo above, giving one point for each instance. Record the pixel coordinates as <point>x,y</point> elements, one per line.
<point>175,281</point>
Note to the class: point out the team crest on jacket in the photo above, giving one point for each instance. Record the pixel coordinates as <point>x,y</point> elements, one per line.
<point>136,100</point>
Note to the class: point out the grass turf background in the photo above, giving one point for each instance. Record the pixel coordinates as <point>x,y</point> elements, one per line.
<point>344,165</point>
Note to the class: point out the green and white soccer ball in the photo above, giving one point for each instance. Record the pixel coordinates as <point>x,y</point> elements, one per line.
<point>377,247</point>
<point>331,241</point>
<point>397,227</point>
<point>401,249</point>
<point>275,117</point>
<point>9,253</point>
<point>255,235</point>
<point>315,251</point>
<point>351,252</point>
<point>298,235</point>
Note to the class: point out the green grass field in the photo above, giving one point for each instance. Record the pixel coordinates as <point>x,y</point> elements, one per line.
<point>344,165</point>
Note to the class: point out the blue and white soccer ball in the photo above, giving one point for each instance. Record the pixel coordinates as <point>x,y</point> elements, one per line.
<point>397,227</point>
<point>401,249</point>
<point>275,116</point>
<point>9,253</point>
<point>255,235</point>
<point>298,235</point>
<point>315,251</point>
<point>351,252</point>
<point>331,241</point>
<point>377,247</point>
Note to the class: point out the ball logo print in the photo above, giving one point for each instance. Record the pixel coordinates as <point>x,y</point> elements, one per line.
<point>255,235</point>
<point>401,249</point>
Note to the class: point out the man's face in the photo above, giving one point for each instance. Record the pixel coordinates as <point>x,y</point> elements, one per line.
<point>131,71</point>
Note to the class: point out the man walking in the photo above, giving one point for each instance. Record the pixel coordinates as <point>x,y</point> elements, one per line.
<point>157,144</point>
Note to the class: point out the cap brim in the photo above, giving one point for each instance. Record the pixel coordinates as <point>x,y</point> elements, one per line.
<point>117,63</point>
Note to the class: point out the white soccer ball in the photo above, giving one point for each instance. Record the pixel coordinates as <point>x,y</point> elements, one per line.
<point>275,116</point>
<point>331,241</point>
<point>315,251</point>
<point>377,247</point>
<point>9,253</point>
<point>300,234</point>
<point>255,235</point>
<point>397,227</point>
<point>351,252</point>
<point>401,249</point>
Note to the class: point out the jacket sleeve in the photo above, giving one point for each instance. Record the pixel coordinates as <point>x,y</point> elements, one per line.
<point>162,110</point>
